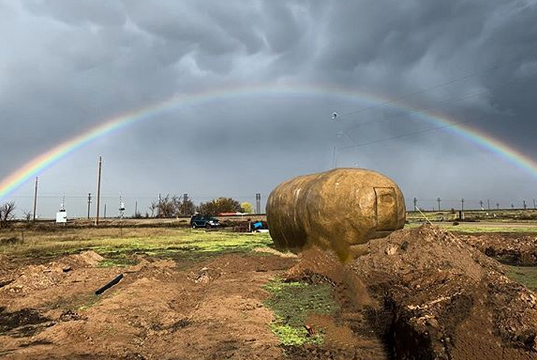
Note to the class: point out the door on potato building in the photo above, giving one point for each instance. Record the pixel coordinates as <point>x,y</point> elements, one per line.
<point>386,208</point>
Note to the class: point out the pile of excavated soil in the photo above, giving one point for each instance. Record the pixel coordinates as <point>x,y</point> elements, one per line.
<point>46,276</point>
<point>36,277</point>
<point>428,295</point>
<point>85,258</point>
<point>507,248</point>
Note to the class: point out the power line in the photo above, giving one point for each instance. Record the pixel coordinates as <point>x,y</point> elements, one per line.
<point>418,110</point>
<point>407,134</point>
<point>452,81</point>
<point>440,103</point>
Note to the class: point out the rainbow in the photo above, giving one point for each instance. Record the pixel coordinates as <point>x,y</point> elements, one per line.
<point>34,167</point>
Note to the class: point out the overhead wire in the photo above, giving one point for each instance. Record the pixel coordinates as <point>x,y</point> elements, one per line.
<point>444,102</point>
<point>407,134</point>
<point>422,91</point>
<point>422,109</point>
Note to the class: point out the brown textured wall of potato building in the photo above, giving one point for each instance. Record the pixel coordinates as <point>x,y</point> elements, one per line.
<point>338,209</point>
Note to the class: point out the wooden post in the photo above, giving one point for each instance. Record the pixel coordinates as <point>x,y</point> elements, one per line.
<point>35,197</point>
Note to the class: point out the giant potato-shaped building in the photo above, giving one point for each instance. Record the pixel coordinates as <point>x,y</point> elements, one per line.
<point>339,209</point>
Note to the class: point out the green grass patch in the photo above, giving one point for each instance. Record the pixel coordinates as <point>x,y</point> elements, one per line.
<point>525,275</point>
<point>157,242</point>
<point>117,262</point>
<point>293,336</point>
<point>476,228</point>
<point>292,303</point>
<point>90,303</point>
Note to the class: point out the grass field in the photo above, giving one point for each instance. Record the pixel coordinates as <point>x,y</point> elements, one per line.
<point>498,216</point>
<point>482,227</point>
<point>161,241</point>
<point>149,241</point>
<point>118,245</point>
<point>525,275</point>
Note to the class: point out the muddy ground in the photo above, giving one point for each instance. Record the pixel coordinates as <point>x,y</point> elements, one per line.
<point>418,294</point>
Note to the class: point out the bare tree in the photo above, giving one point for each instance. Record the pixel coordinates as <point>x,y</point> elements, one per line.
<point>186,207</point>
<point>27,215</point>
<point>153,207</point>
<point>7,213</point>
<point>168,206</point>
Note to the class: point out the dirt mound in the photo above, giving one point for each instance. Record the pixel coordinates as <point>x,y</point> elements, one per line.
<point>511,249</point>
<point>429,295</point>
<point>275,252</point>
<point>86,258</point>
<point>39,277</point>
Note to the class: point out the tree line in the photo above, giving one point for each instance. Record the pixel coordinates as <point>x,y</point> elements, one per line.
<point>174,206</point>
<point>166,207</point>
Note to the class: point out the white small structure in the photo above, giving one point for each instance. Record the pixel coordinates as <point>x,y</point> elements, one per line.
<point>61,217</point>
<point>121,208</point>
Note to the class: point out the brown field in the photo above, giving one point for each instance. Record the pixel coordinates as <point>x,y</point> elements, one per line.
<point>191,294</point>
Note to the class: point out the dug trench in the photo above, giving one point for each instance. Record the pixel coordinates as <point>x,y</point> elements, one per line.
<point>417,294</point>
<point>425,294</point>
<point>509,248</point>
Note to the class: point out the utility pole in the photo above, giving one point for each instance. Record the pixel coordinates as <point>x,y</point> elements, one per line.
<point>438,203</point>
<point>89,206</point>
<point>488,204</point>
<point>258,203</point>
<point>159,205</point>
<point>136,209</point>
<point>334,158</point>
<point>462,204</point>
<point>185,198</point>
<point>415,204</point>
<point>105,211</point>
<point>99,191</point>
<point>35,197</point>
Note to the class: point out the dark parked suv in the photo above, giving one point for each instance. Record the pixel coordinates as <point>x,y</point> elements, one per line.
<point>198,221</point>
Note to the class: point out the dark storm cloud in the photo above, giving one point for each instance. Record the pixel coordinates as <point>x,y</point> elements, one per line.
<point>407,46</point>
<point>68,65</point>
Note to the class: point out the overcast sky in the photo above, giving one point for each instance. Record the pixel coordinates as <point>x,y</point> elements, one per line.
<point>67,66</point>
